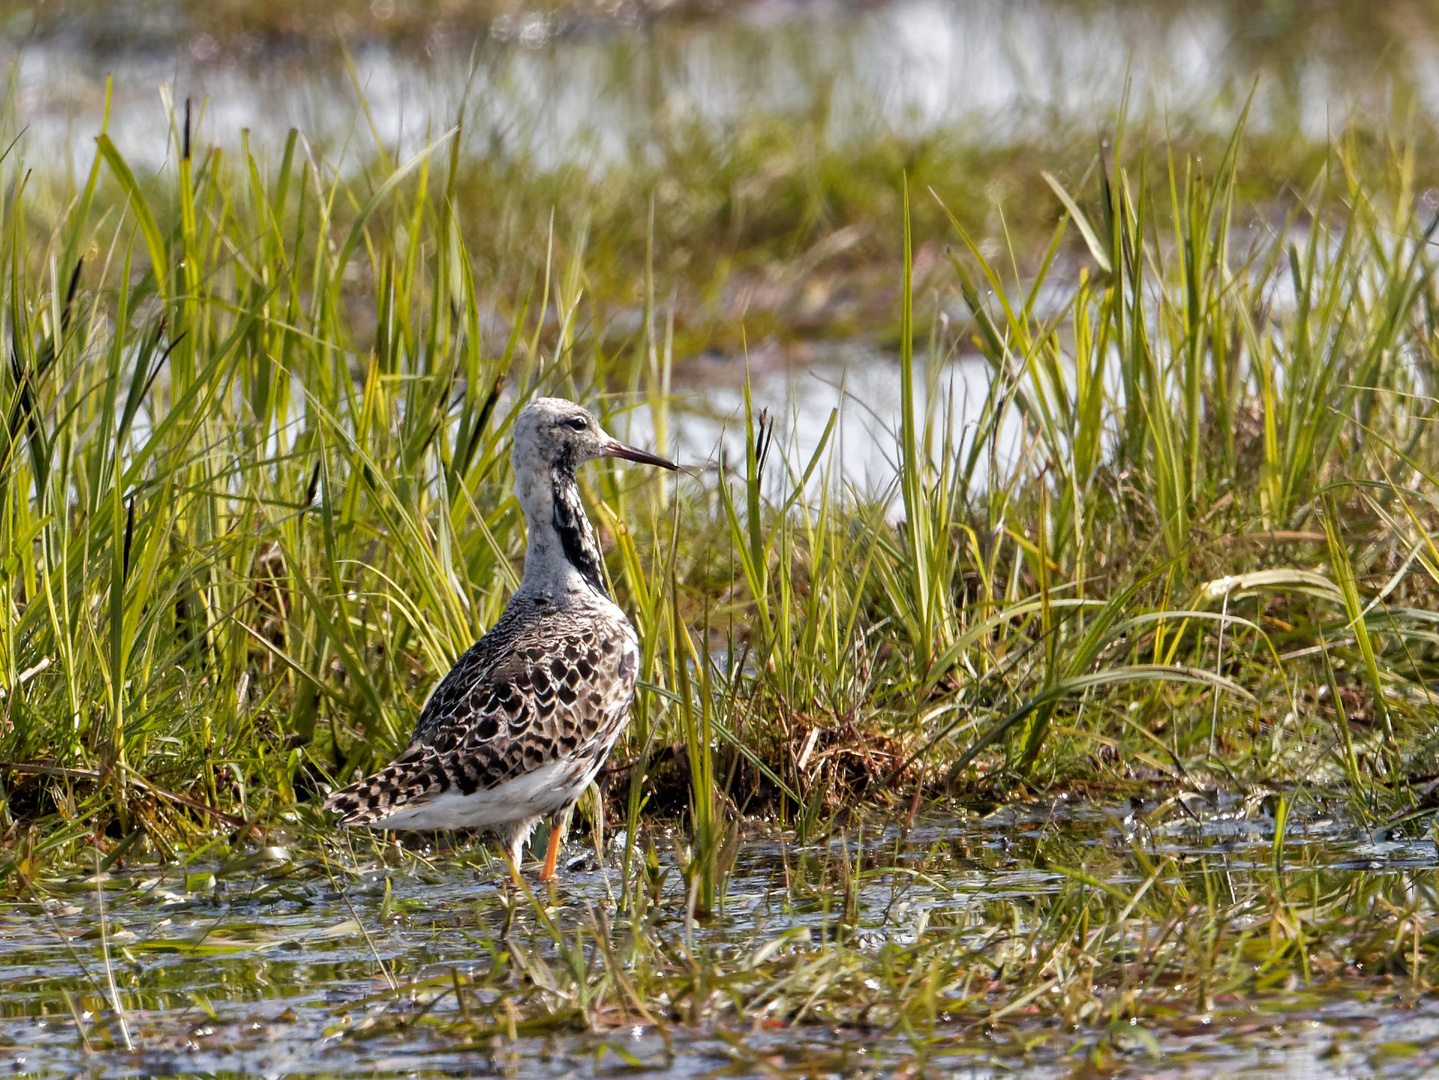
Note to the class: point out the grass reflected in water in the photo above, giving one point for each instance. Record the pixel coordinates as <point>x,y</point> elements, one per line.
<point>1044,937</point>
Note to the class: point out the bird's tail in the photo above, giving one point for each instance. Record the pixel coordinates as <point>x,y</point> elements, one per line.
<point>405,780</point>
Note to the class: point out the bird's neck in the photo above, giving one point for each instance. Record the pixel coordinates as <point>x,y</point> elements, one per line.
<point>563,555</point>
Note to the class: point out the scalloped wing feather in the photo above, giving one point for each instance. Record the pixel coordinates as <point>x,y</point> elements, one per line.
<point>533,695</point>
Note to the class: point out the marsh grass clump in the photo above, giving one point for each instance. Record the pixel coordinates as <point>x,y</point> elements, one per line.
<point>254,498</point>
<point>255,483</point>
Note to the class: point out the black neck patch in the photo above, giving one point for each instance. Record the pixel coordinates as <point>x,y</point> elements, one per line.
<point>576,533</point>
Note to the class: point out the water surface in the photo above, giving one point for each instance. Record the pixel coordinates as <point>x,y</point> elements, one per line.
<point>341,967</point>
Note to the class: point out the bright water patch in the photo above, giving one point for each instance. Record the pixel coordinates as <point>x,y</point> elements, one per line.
<point>1003,73</point>
<point>856,388</point>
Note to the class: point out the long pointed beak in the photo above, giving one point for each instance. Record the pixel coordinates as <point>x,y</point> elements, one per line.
<point>615,448</point>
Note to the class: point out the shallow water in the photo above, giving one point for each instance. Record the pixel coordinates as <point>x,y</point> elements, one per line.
<point>267,966</point>
<point>859,388</point>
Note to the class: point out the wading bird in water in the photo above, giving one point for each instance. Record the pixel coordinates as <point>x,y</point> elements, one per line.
<point>522,723</point>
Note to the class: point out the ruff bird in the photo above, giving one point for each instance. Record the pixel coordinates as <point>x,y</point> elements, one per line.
<point>522,723</point>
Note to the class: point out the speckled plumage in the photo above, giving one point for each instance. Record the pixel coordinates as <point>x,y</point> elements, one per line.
<point>526,717</point>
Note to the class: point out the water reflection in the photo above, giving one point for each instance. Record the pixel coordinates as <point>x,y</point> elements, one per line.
<point>859,387</point>
<point>293,970</point>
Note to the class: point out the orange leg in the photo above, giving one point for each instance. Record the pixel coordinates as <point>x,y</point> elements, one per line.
<point>547,872</point>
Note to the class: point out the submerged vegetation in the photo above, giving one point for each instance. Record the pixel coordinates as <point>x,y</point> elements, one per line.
<point>1039,940</point>
<point>254,499</point>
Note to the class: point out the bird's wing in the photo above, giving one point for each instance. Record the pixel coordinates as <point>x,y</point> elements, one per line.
<point>551,694</point>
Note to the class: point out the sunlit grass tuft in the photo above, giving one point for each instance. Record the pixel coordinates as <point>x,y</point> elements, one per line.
<point>254,495</point>
<point>255,498</point>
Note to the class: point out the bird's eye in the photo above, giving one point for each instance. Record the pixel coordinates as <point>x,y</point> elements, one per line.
<point>579,423</point>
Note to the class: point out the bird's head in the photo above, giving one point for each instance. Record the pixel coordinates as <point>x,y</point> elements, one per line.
<point>552,434</point>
